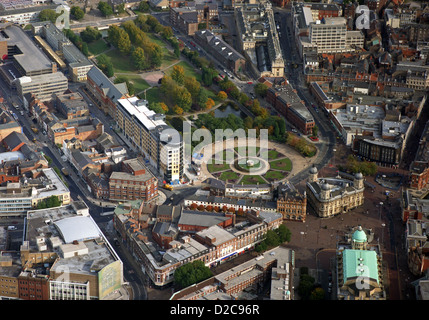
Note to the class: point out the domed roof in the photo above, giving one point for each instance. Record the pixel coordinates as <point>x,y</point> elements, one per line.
<point>325,186</point>
<point>359,175</point>
<point>313,170</point>
<point>359,235</point>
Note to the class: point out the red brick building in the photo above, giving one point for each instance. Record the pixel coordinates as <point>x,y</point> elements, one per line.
<point>136,182</point>
<point>33,286</point>
<point>287,102</point>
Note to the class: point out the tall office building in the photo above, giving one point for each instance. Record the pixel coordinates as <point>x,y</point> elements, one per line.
<point>329,34</point>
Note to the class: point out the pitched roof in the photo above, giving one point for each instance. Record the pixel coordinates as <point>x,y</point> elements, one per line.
<point>114,92</point>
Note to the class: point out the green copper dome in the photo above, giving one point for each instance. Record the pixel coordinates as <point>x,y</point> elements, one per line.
<point>359,235</point>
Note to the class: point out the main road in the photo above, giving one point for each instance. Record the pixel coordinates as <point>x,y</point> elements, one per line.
<point>295,77</point>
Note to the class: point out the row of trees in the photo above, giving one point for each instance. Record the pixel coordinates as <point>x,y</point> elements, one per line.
<point>301,145</point>
<point>274,238</point>
<point>218,209</point>
<point>367,168</point>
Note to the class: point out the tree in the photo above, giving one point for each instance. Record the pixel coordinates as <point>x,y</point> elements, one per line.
<point>305,286</point>
<point>283,233</point>
<point>178,110</point>
<point>191,273</point>
<point>90,34</point>
<point>202,98</point>
<point>315,131</point>
<point>260,89</point>
<point>105,9</point>
<point>120,8</point>
<point>84,49</point>
<point>317,294</point>
<point>139,60</point>
<point>183,98</point>
<point>193,86</point>
<point>178,74</point>
<point>210,103</point>
<point>48,15</point>
<point>124,43</point>
<point>166,32</point>
<point>143,6</point>
<point>157,107</point>
<point>114,34</point>
<point>105,65</point>
<point>77,12</point>
<point>222,95</point>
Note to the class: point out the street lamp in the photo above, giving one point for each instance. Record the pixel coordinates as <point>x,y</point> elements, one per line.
<point>382,232</point>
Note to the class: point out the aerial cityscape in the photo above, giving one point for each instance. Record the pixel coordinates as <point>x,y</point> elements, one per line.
<point>214,150</point>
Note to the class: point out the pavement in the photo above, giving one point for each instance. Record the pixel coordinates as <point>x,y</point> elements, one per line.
<point>315,240</point>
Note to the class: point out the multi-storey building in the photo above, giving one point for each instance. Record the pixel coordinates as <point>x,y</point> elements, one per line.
<point>258,38</point>
<point>82,264</point>
<point>43,86</point>
<point>255,273</point>
<point>186,18</point>
<point>104,91</point>
<point>332,196</point>
<point>25,11</point>
<point>221,50</point>
<point>291,204</point>
<point>16,198</point>
<point>212,245</point>
<point>148,132</point>
<point>136,182</point>
<point>78,64</point>
<point>71,105</point>
<point>287,102</point>
<point>329,35</point>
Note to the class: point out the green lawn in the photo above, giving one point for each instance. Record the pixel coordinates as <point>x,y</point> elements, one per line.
<point>189,70</point>
<point>274,175</point>
<point>152,95</point>
<point>139,83</point>
<point>252,180</point>
<point>213,167</point>
<point>121,63</point>
<point>282,164</point>
<point>271,154</point>
<point>97,47</point>
<point>229,175</point>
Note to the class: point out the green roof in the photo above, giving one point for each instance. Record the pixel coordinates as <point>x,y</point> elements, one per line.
<point>357,263</point>
<point>124,208</point>
<point>359,236</point>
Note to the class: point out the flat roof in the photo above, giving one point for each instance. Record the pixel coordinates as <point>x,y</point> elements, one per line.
<point>32,58</point>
